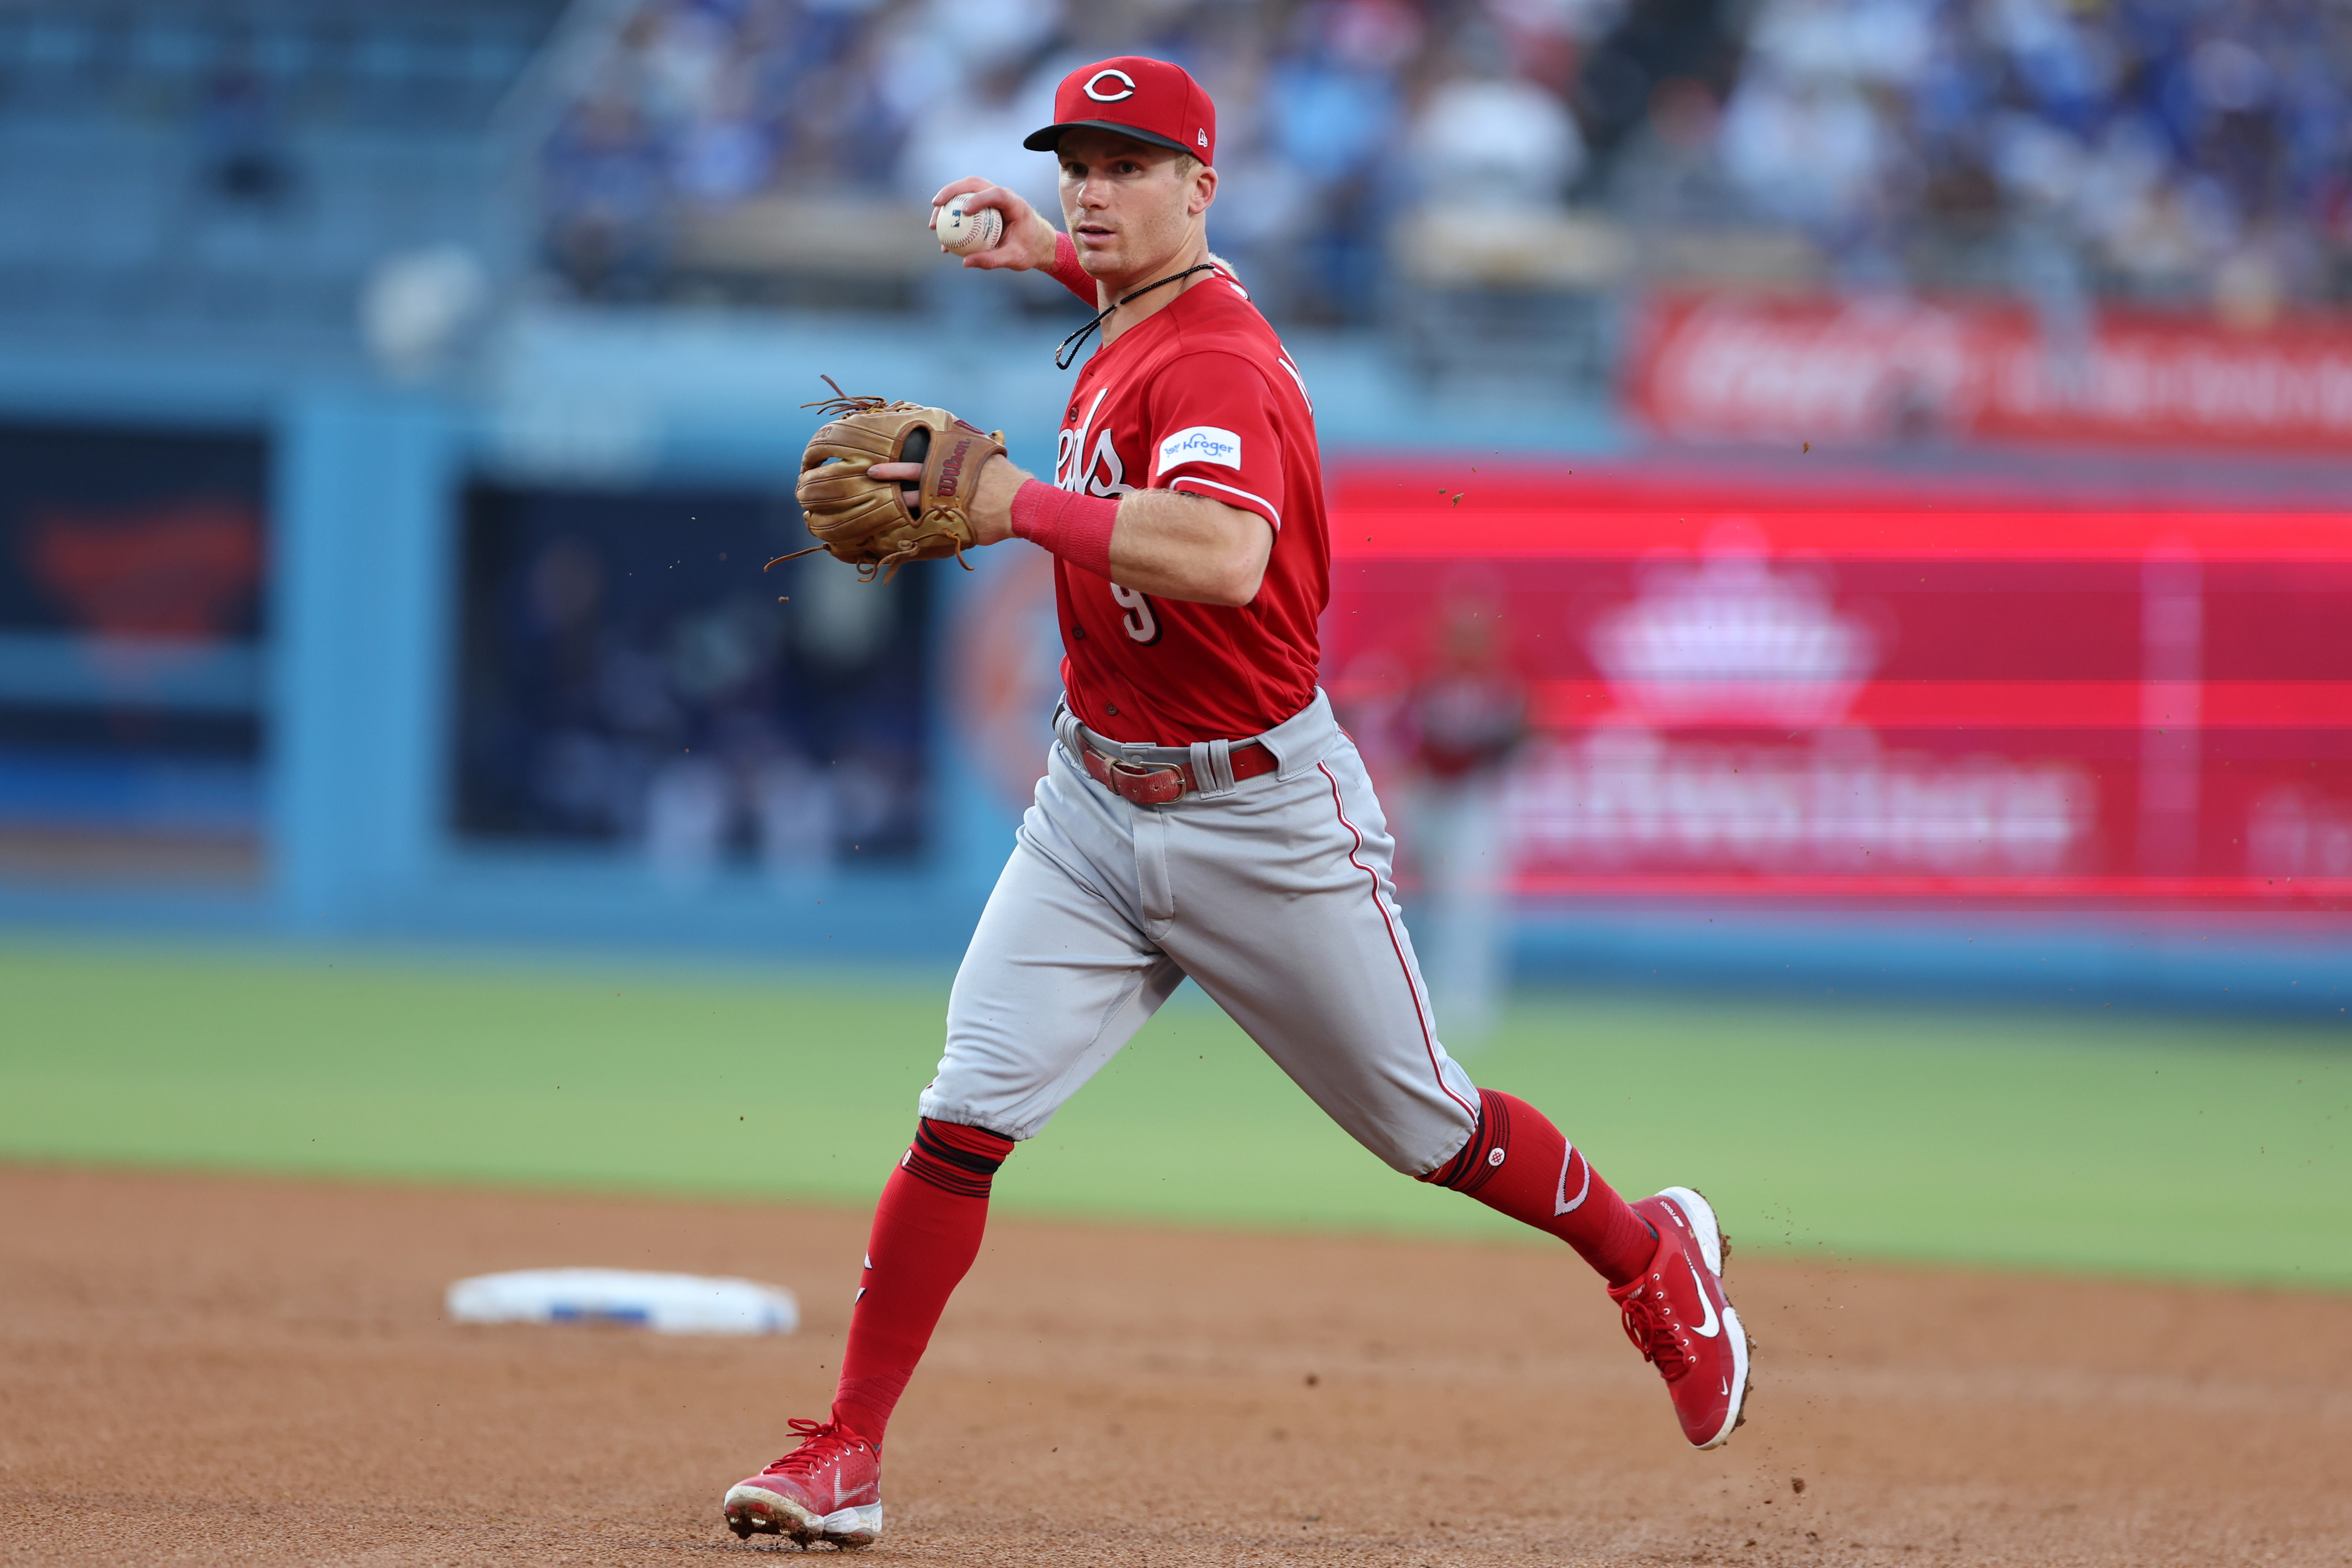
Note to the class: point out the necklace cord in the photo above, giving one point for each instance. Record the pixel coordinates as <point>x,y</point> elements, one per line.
<point>1068,353</point>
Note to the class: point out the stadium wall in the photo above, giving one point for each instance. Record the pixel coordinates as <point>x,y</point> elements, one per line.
<point>368,495</point>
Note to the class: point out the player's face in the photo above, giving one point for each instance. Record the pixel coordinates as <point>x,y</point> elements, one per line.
<point>1129,204</point>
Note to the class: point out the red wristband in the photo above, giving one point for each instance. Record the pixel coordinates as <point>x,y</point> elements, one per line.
<point>1066,271</point>
<point>1075,527</point>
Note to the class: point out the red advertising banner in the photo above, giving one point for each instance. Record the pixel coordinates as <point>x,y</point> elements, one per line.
<point>1862,697</point>
<point>1871,368</point>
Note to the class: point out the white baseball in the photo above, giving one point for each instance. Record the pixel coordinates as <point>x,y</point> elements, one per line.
<point>965,232</point>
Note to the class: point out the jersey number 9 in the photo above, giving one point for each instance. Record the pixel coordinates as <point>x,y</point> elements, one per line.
<point>1141,623</point>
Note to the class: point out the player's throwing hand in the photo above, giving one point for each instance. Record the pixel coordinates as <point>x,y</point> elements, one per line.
<point>1028,240</point>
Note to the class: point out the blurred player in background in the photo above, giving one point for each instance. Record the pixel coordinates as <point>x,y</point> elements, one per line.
<point>1201,814</point>
<point>1465,716</point>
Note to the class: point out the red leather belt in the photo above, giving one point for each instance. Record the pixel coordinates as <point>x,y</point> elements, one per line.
<point>1160,784</point>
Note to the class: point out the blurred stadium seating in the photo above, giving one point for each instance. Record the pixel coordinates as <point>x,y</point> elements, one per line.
<point>239,163</point>
<point>394,402</point>
<point>2140,149</point>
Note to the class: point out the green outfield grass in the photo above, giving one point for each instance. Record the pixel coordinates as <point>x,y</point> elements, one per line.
<point>2210,1147</point>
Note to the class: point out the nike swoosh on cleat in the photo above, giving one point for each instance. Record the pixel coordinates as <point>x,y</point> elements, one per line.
<point>1566,1204</point>
<point>1711,1327</point>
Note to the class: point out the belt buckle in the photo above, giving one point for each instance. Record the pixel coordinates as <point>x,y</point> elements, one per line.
<point>1160,785</point>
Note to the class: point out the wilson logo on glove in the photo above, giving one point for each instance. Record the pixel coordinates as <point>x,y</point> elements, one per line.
<point>953,466</point>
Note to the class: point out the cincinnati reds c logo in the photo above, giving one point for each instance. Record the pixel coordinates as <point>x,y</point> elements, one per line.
<point>1127,84</point>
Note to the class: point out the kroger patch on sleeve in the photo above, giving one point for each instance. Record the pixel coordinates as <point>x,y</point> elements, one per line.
<point>1199,444</point>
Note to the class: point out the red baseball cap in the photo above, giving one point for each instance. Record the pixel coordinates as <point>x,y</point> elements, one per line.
<point>1148,100</point>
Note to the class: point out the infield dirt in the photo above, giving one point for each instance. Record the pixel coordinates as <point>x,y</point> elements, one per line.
<point>207,1369</point>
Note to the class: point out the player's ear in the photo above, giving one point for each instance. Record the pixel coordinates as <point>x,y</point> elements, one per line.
<point>1203,192</point>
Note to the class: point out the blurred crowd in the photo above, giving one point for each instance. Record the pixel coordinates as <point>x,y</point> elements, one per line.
<point>1334,115</point>
<point>2157,148</point>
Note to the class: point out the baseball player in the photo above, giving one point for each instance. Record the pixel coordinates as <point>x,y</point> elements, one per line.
<point>1201,814</point>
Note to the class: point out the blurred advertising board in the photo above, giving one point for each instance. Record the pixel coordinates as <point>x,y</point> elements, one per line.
<point>1869,696</point>
<point>1871,368</point>
<point>133,576</point>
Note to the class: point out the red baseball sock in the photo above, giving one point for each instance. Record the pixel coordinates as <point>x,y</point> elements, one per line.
<point>1518,1163</point>
<point>926,1231</point>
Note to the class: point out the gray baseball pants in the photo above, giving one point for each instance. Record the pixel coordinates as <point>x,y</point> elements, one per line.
<point>1273,894</point>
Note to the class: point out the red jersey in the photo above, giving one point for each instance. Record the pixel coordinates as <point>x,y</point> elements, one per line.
<point>1199,397</point>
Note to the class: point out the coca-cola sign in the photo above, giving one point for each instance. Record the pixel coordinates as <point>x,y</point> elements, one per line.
<point>1875,368</point>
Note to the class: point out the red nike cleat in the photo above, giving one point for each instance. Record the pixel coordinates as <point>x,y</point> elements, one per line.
<point>828,1489</point>
<point>1679,1319</point>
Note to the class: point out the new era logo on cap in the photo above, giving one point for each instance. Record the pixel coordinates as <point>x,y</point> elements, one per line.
<point>1151,100</point>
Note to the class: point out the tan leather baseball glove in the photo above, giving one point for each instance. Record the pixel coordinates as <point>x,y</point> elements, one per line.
<point>865,520</point>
